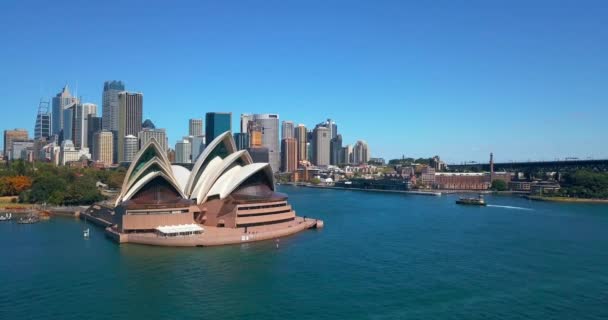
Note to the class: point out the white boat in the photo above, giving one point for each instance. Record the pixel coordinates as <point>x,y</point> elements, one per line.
<point>6,217</point>
<point>85,233</point>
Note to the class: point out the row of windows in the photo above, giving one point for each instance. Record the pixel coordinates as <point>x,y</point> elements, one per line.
<point>263,223</point>
<point>282,204</point>
<point>263,213</point>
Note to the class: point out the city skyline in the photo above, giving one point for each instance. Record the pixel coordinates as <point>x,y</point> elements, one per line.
<point>422,79</point>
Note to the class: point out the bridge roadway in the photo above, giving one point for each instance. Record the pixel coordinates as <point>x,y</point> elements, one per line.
<point>546,166</point>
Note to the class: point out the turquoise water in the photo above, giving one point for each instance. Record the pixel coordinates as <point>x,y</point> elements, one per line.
<point>380,256</point>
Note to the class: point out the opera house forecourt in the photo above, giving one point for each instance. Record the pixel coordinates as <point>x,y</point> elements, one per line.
<point>225,199</point>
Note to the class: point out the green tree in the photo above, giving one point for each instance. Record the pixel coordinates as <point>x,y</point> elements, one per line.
<point>315,181</point>
<point>499,185</point>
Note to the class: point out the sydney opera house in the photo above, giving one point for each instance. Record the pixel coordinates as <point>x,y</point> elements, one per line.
<point>225,199</point>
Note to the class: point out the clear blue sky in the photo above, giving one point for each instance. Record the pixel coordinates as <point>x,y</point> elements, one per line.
<point>524,79</point>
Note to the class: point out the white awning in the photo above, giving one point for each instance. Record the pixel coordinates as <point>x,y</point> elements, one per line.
<point>180,228</point>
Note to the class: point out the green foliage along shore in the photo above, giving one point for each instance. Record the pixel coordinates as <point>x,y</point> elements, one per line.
<point>585,184</point>
<point>62,185</point>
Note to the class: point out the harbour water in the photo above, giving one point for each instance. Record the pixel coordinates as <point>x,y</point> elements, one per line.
<point>380,256</point>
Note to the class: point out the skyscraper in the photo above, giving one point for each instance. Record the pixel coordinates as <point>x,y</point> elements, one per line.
<point>80,123</point>
<point>321,139</point>
<point>103,148</point>
<point>183,151</point>
<point>67,132</point>
<point>335,145</point>
<point>94,125</point>
<point>60,101</point>
<point>242,140</point>
<point>195,127</point>
<point>301,135</point>
<point>347,154</point>
<point>131,145</point>
<point>289,155</point>
<point>110,104</point>
<point>269,125</point>
<point>331,125</point>
<point>287,129</point>
<point>42,128</point>
<point>361,152</point>
<point>217,123</point>
<point>130,105</point>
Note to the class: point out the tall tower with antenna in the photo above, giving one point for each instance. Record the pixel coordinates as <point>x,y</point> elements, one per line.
<point>42,128</point>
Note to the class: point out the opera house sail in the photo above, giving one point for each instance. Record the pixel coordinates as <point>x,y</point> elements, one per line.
<point>225,199</point>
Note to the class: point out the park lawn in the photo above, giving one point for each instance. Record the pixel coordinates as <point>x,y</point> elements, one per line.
<point>5,202</point>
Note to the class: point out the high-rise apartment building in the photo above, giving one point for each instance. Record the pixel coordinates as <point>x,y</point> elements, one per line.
<point>301,136</point>
<point>217,123</point>
<point>361,153</point>
<point>130,105</point>
<point>103,147</point>
<point>13,135</point>
<point>287,129</point>
<point>110,104</point>
<point>321,142</point>
<point>289,155</point>
<point>131,145</point>
<point>195,127</point>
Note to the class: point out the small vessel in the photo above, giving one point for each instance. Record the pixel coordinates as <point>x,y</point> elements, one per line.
<point>28,220</point>
<point>479,201</point>
<point>85,233</point>
<point>6,217</point>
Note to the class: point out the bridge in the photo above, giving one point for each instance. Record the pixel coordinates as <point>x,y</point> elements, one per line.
<point>534,166</point>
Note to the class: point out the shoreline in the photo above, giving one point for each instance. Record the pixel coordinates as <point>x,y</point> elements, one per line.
<point>567,200</point>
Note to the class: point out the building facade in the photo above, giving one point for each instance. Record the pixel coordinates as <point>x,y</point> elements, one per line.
<point>145,135</point>
<point>183,151</point>
<point>217,123</point>
<point>195,127</point>
<point>321,142</point>
<point>110,104</point>
<point>361,152</point>
<point>62,100</point>
<point>269,125</point>
<point>335,145</point>
<point>42,127</point>
<point>103,147</point>
<point>301,135</point>
<point>287,130</point>
<point>81,124</point>
<point>289,155</point>
<point>242,140</point>
<point>198,146</point>
<point>129,118</point>
<point>131,145</point>
<point>13,135</point>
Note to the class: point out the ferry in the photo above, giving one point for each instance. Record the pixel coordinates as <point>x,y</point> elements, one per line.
<point>479,201</point>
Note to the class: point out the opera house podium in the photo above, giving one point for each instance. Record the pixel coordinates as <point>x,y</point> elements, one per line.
<point>225,199</point>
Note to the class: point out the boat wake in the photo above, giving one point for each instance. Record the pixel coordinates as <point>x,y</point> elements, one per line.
<point>510,207</point>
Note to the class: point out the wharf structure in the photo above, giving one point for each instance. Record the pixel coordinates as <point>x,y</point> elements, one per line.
<point>225,199</point>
